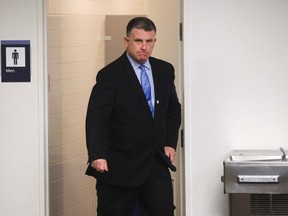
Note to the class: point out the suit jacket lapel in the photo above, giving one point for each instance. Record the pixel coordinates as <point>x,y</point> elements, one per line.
<point>155,68</point>
<point>135,82</point>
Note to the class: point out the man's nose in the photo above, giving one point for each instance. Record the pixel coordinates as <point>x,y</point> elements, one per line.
<point>143,45</point>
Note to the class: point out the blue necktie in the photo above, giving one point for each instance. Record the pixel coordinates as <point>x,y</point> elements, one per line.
<point>146,87</point>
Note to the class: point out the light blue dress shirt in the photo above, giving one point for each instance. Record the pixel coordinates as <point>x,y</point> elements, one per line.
<point>148,69</point>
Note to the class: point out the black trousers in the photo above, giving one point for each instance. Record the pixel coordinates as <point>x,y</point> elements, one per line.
<point>153,198</point>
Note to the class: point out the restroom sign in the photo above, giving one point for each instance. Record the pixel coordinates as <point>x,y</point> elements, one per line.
<point>15,61</point>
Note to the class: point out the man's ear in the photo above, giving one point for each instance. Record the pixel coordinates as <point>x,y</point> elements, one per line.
<point>126,40</point>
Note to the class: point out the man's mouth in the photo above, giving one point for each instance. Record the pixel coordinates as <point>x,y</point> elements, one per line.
<point>142,53</point>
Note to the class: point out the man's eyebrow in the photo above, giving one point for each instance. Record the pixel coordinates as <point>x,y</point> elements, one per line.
<point>139,39</point>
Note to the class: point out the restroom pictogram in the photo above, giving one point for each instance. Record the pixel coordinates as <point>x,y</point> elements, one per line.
<point>15,61</point>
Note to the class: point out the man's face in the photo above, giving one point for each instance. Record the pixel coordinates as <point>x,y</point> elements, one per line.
<point>139,45</point>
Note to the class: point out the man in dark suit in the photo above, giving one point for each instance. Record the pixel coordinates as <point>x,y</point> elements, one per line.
<point>131,133</point>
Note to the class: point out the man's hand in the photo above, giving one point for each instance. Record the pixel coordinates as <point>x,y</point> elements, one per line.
<point>100,165</point>
<point>170,152</point>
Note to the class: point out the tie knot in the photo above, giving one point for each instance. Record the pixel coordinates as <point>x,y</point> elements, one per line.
<point>142,67</point>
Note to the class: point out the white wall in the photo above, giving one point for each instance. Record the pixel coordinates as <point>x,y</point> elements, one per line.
<point>22,116</point>
<point>236,92</point>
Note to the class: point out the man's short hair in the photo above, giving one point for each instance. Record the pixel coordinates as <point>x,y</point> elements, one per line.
<point>140,23</point>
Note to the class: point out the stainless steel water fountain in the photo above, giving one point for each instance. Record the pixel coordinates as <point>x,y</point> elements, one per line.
<point>257,182</point>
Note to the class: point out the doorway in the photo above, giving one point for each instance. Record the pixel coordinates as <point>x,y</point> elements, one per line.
<point>76,51</point>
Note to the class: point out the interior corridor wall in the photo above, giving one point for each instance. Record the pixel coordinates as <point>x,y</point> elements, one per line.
<point>236,90</point>
<point>22,115</point>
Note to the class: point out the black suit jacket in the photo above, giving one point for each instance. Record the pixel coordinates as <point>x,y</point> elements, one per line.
<point>120,127</point>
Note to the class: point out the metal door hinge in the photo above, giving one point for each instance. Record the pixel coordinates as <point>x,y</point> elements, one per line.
<point>180,31</point>
<point>182,137</point>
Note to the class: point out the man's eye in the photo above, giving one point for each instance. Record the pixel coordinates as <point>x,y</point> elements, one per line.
<point>139,41</point>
